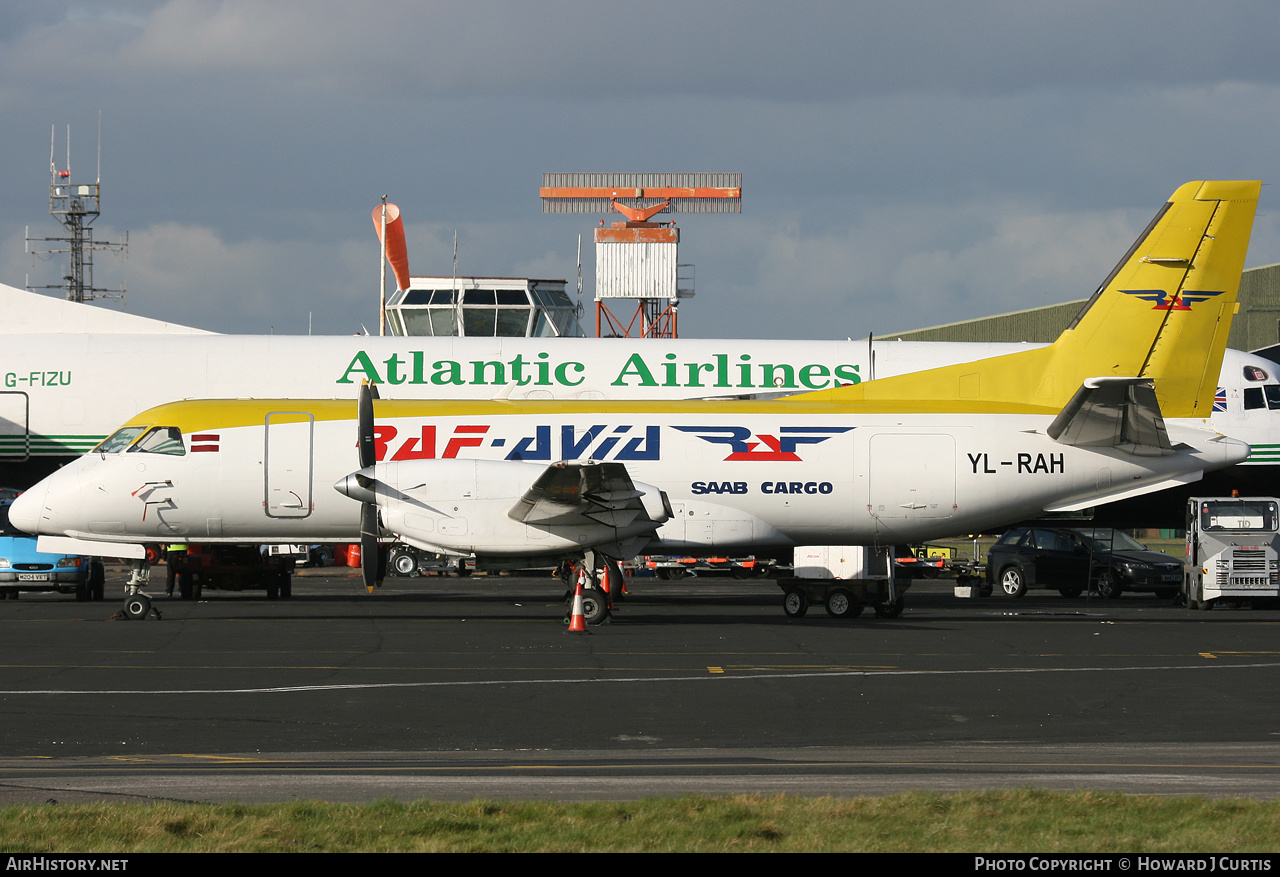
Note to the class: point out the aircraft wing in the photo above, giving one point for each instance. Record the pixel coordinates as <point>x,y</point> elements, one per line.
<point>1113,413</point>
<point>600,493</point>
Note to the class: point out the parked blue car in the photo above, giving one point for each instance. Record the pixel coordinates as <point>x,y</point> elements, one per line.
<point>22,568</point>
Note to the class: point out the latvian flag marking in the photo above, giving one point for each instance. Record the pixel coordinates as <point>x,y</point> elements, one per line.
<point>204,441</point>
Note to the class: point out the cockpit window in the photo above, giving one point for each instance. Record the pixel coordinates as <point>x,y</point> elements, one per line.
<point>1253,373</point>
<point>160,440</point>
<point>119,440</point>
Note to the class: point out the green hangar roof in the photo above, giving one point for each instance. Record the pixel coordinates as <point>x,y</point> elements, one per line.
<point>1256,327</point>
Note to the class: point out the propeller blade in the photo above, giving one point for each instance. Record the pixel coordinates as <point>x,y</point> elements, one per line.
<point>362,486</point>
<point>372,569</point>
<point>364,418</point>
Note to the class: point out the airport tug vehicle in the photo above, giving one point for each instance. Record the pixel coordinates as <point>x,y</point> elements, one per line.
<point>1233,550</point>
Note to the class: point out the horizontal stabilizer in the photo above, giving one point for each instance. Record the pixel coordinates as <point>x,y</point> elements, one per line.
<point>1113,413</point>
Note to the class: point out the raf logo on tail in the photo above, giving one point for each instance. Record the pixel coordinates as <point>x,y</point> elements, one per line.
<point>1180,303</point>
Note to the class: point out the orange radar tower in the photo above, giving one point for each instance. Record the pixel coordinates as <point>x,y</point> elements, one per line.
<point>637,260</point>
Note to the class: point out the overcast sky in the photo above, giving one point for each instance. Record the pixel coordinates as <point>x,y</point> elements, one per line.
<point>904,163</point>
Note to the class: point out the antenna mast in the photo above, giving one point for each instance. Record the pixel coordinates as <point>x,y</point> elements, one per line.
<point>76,206</point>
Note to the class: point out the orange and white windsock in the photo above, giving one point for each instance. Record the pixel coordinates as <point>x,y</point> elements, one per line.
<point>397,253</point>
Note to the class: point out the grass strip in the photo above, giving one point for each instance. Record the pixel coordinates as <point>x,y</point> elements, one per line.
<point>1009,821</point>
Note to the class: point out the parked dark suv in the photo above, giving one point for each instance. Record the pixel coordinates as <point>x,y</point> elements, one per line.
<point>1072,560</point>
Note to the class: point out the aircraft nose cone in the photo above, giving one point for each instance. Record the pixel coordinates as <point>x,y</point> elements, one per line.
<point>27,510</point>
<point>358,486</point>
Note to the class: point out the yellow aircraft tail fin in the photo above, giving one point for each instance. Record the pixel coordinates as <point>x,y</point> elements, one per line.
<point>1163,313</point>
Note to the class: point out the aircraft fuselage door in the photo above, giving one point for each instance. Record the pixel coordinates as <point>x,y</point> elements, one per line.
<point>15,429</point>
<point>289,459</point>
<point>913,476</point>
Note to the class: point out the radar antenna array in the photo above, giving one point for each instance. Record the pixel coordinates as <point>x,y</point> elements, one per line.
<point>637,260</point>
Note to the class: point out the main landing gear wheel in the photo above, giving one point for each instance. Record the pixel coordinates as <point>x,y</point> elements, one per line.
<point>617,580</point>
<point>795,603</point>
<point>593,606</point>
<point>403,563</point>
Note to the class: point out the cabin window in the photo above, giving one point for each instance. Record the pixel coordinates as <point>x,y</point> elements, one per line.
<point>160,440</point>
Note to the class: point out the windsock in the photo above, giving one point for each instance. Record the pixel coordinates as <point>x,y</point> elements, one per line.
<point>397,253</point>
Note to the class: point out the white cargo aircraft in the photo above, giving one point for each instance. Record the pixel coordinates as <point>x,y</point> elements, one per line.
<point>953,449</point>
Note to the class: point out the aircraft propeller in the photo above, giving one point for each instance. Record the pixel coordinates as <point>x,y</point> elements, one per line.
<point>373,563</point>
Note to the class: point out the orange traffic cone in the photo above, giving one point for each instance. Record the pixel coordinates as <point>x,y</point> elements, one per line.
<point>612,582</point>
<point>577,620</point>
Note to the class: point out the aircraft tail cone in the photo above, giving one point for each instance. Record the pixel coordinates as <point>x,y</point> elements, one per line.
<point>577,619</point>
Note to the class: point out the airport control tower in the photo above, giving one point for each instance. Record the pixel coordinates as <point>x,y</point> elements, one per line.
<point>471,307</point>
<point>484,307</point>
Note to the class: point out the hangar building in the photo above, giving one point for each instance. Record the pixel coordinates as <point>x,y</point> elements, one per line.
<point>1256,328</point>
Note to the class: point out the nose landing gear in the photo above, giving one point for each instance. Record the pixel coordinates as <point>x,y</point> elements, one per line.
<point>137,605</point>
